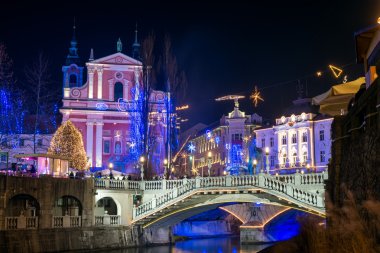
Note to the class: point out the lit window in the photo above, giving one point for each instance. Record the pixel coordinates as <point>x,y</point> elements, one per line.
<point>284,140</point>
<point>73,81</point>
<point>304,137</point>
<point>271,141</point>
<point>321,135</point>
<point>106,147</point>
<point>117,147</point>
<point>284,158</point>
<point>294,158</point>
<point>262,142</point>
<point>304,157</point>
<point>118,91</point>
<point>323,156</point>
<point>272,161</point>
<point>294,138</point>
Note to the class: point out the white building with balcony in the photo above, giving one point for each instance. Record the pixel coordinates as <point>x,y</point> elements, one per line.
<point>300,140</point>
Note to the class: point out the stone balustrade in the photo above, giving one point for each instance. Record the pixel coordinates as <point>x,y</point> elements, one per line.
<point>288,186</point>
<point>66,221</point>
<point>107,220</point>
<point>21,222</point>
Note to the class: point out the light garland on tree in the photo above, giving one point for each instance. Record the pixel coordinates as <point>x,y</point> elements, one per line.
<point>67,142</point>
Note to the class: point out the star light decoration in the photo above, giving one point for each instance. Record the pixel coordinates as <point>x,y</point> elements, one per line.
<point>256,96</point>
<point>191,148</point>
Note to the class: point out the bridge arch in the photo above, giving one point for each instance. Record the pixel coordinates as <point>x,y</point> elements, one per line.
<point>205,200</point>
<point>23,204</point>
<point>107,205</point>
<point>67,205</point>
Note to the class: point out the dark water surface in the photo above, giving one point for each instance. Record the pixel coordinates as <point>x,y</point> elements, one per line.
<point>209,245</point>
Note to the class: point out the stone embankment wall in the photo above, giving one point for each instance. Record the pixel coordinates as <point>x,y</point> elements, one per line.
<point>355,162</point>
<point>56,240</point>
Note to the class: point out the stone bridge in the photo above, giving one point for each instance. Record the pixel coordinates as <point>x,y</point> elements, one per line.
<point>167,202</point>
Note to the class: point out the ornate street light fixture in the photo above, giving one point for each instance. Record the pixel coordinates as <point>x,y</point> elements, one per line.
<point>165,168</point>
<point>142,161</point>
<point>267,159</point>
<point>254,166</point>
<point>209,159</point>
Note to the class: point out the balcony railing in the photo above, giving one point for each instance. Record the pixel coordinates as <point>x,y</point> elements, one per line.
<point>107,220</point>
<point>21,222</point>
<point>67,221</point>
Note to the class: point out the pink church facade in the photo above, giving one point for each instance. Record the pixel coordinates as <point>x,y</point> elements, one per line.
<point>107,110</point>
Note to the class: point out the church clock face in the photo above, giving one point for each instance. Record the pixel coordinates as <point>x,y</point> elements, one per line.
<point>118,75</point>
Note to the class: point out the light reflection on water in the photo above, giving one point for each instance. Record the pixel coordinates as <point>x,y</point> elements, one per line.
<point>209,245</point>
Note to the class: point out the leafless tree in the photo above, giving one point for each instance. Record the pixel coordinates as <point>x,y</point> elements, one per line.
<point>12,109</point>
<point>6,67</point>
<point>176,81</point>
<point>38,79</point>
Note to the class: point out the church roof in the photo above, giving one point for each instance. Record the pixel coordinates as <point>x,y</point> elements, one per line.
<point>117,58</point>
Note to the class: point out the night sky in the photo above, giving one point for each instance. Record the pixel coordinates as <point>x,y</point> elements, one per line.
<point>224,48</point>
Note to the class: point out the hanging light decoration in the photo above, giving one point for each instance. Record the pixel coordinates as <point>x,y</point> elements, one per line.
<point>256,96</point>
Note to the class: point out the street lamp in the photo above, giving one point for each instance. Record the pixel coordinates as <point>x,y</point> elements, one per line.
<point>165,168</point>
<point>209,158</point>
<point>110,167</point>
<point>308,167</point>
<point>267,159</point>
<point>142,160</point>
<point>254,166</point>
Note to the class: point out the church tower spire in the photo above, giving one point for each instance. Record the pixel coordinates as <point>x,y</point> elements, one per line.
<point>72,71</point>
<point>136,47</point>
<point>73,57</point>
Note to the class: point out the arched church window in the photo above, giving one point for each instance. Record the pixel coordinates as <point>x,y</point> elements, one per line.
<point>284,159</point>
<point>118,91</point>
<point>73,80</point>
<point>117,147</point>
<point>304,157</point>
<point>294,158</point>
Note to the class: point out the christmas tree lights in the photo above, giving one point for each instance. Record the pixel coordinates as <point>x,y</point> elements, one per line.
<point>67,142</point>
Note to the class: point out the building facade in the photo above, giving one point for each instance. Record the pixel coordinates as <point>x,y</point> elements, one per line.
<point>18,144</point>
<point>296,141</point>
<point>109,110</point>
<point>225,148</point>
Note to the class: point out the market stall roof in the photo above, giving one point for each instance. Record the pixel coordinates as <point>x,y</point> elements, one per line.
<point>337,97</point>
<point>41,155</point>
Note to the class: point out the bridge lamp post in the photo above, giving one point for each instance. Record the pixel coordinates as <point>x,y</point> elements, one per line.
<point>267,159</point>
<point>209,159</point>
<point>142,160</point>
<point>254,166</point>
<point>165,168</point>
<point>110,167</point>
<point>307,167</point>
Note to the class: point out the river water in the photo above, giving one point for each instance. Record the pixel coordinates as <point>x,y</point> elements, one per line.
<point>209,245</point>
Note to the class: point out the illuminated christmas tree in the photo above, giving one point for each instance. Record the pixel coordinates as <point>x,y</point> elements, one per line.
<point>67,142</point>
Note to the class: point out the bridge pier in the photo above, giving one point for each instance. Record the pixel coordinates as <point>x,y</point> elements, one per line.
<point>158,235</point>
<point>253,235</point>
